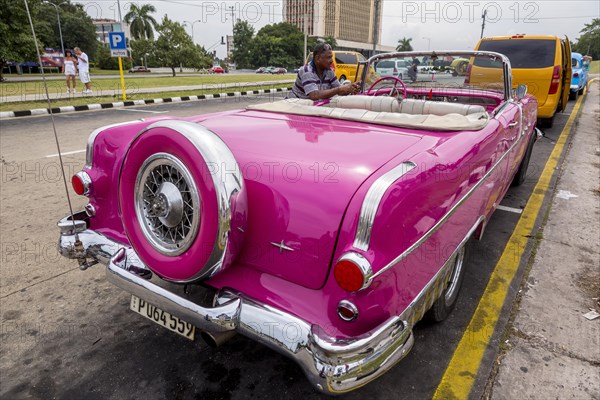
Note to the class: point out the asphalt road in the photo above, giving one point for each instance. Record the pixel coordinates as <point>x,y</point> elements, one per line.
<point>69,334</point>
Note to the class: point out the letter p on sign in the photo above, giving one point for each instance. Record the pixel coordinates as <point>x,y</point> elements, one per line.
<point>118,45</point>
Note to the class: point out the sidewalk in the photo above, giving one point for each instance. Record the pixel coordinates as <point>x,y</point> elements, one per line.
<point>57,90</point>
<point>553,351</point>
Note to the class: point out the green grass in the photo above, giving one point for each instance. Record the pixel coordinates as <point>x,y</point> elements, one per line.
<point>595,67</point>
<point>103,85</point>
<point>77,101</point>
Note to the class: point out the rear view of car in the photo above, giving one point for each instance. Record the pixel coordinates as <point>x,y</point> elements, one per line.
<point>580,75</point>
<point>543,63</point>
<point>397,68</point>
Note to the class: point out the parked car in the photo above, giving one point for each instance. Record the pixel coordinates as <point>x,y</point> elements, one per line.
<point>279,70</point>
<point>217,69</point>
<point>397,68</point>
<point>345,64</point>
<point>139,68</point>
<point>355,228</point>
<point>459,66</point>
<point>579,79</point>
<point>543,63</point>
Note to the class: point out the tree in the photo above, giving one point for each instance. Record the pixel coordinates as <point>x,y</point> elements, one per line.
<point>278,44</point>
<point>174,47</point>
<point>105,61</point>
<point>142,24</point>
<point>242,38</point>
<point>589,41</point>
<point>404,44</point>
<point>16,40</point>
<point>142,50</point>
<point>330,40</point>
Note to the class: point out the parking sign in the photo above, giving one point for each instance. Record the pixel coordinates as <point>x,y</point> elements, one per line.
<point>118,45</point>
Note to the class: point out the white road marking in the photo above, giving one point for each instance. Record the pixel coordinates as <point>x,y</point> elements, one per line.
<point>511,209</point>
<point>142,111</point>
<point>66,153</point>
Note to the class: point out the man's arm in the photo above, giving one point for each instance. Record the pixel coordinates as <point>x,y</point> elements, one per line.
<point>342,90</point>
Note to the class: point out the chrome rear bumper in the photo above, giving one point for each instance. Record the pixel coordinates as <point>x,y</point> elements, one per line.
<point>333,366</point>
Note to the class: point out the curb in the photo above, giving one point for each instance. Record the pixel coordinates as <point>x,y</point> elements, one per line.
<point>120,104</point>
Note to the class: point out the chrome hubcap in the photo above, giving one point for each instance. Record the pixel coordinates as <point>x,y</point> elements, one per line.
<point>453,284</point>
<point>167,204</point>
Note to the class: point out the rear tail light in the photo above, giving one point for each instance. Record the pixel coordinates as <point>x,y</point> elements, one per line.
<point>353,272</point>
<point>555,80</point>
<point>576,74</point>
<point>468,74</point>
<point>82,183</point>
<point>347,311</point>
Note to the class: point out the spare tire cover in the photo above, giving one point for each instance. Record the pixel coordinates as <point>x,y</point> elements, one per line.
<point>182,201</point>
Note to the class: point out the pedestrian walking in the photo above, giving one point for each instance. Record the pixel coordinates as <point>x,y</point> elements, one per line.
<point>84,70</point>
<point>69,68</point>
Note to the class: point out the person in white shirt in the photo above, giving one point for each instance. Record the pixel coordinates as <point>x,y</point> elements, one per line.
<point>84,70</point>
<point>69,69</point>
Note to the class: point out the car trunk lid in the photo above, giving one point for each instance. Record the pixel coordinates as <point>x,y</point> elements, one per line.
<point>300,177</point>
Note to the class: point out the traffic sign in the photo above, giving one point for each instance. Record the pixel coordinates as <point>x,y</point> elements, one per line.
<point>117,43</point>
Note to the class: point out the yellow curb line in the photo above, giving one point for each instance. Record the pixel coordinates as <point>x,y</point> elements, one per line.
<point>461,372</point>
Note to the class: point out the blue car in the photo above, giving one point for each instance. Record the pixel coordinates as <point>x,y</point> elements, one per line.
<point>580,75</point>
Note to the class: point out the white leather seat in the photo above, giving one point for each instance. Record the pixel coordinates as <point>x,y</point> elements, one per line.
<point>406,106</point>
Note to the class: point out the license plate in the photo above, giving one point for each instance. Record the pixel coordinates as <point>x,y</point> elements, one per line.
<point>162,318</point>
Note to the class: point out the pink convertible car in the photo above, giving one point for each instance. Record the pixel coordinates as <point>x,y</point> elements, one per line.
<point>323,230</point>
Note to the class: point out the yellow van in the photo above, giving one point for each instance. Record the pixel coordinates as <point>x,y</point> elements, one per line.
<point>345,64</point>
<point>543,63</point>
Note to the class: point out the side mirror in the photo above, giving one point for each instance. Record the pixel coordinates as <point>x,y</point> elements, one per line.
<point>520,91</point>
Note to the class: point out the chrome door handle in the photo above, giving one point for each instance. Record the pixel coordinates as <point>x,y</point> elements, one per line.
<point>513,124</point>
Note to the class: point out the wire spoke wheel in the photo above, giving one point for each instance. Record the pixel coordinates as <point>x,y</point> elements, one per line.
<point>167,204</point>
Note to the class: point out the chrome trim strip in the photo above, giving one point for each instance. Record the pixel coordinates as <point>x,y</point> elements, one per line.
<point>436,286</point>
<point>373,199</point>
<point>89,154</point>
<point>227,179</point>
<point>447,216</point>
<point>362,263</point>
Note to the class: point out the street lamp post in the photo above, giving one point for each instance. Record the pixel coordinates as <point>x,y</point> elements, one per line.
<point>428,42</point>
<point>192,25</point>
<point>62,46</point>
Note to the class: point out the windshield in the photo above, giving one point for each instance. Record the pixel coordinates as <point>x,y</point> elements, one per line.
<point>430,72</point>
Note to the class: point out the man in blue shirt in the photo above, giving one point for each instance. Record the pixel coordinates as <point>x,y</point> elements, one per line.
<point>316,80</point>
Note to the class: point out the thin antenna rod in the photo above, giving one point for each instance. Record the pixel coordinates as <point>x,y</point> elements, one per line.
<point>62,170</point>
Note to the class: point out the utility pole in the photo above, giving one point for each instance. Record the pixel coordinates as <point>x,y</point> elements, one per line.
<point>483,23</point>
<point>62,46</point>
<point>119,7</point>
<point>305,37</point>
<point>375,26</point>
<point>232,13</point>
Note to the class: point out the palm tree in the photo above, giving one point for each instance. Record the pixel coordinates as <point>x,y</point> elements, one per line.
<point>404,44</point>
<point>141,23</point>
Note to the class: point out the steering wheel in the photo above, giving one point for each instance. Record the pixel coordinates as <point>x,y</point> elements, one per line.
<point>396,81</point>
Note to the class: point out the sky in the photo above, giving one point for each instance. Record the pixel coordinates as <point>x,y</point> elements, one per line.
<point>434,25</point>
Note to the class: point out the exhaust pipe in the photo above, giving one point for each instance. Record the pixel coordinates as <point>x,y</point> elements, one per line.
<point>215,339</point>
